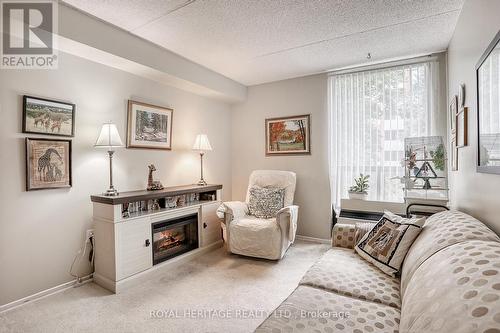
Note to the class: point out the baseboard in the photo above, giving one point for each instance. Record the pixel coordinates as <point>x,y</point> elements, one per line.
<point>44,293</point>
<point>313,239</point>
<point>106,283</point>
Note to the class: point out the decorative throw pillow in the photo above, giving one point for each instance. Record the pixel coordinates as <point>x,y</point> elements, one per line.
<point>387,243</point>
<point>265,202</point>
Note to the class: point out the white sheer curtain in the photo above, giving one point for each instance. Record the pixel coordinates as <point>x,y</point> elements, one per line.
<point>371,112</point>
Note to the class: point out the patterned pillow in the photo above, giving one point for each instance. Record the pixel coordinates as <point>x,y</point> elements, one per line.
<point>265,202</point>
<point>387,243</point>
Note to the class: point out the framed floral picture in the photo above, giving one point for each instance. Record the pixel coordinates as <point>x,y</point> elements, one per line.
<point>149,126</point>
<point>49,117</point>
<point>48,164</point>
<point>288,135</point>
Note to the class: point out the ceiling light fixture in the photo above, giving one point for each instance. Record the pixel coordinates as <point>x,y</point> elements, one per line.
<point>369,55</point>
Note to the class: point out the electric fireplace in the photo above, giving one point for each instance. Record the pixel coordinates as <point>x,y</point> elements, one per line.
<point>174,237</point>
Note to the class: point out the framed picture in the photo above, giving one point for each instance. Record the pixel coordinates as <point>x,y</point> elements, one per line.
<point>49,117</point>
<point>461,95</point>
<point>288,135</point>
<point>454,155</point>
<point>48,164</point>
<point>149,126</point>
<point>461,135</point>
<point>453,114</point>
<point>488,109</point>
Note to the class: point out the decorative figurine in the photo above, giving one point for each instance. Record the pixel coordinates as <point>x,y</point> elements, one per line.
<point>153,185</point>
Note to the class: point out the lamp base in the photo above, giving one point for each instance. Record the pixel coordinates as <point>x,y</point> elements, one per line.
<point>111,192</point>
<point>202,182</point>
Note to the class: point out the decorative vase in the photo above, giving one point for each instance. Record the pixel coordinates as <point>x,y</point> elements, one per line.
<point>358,195</point>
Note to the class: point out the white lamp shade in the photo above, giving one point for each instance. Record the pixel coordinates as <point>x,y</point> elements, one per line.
<point>201,143</point>
<point>109,137</point>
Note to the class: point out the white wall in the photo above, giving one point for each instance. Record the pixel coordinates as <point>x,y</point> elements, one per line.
<point>40,231</point>
<point>475,193</point>
<point>307,95</point>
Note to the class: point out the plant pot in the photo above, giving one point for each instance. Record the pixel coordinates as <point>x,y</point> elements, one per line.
<point>358,195</point>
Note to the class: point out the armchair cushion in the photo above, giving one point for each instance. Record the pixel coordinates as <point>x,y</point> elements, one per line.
<point>265,202</point>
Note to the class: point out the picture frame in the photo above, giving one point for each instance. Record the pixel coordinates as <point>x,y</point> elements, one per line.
<point>488,134</point>
<point>454,155</point>
<point>48,163</point>
<point>461,95</point>
<point>453,114</point>
<point>48,117</point>
<point>288,135</point>
<point>149,126</point>
<point>462,127</point>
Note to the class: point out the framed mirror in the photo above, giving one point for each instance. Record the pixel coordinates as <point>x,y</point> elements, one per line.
<point>488,108</point>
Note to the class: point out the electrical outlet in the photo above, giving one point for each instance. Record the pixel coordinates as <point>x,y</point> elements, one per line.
<point>89,234</point>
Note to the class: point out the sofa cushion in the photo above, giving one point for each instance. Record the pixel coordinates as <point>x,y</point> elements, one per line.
<point>439,231</point>
<point>455,290</point>
<point>343,271</point>
<point>255,237</point>
<point>387,243</point>
<point>309,309</point>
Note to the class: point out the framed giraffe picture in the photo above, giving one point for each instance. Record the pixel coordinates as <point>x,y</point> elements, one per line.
<point>48,117</point>
<point>48,164</point>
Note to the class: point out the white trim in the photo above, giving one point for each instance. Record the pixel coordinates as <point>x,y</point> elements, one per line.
<point>313,239</point>
<point>45,293</point>
<point>384,64</point>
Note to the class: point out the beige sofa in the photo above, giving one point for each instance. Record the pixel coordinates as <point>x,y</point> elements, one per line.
<point>450,282</point>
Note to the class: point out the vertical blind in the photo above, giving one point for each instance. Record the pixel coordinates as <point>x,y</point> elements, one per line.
<point>371,112</point>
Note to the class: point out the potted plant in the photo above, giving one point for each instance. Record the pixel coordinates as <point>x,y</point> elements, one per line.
<point>359,191</point>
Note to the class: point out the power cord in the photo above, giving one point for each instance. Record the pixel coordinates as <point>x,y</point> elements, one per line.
<point>79,255</point>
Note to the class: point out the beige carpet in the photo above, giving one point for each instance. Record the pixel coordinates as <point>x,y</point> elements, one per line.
<point>194,298</point>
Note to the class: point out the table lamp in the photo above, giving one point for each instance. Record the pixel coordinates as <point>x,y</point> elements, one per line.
<point>202,144</point>
<point>109,138</point>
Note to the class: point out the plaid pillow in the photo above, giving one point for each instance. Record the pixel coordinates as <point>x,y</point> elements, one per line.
<point>265,202</point>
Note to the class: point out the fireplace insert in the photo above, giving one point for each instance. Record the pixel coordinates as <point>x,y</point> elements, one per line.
<point>174,237</point>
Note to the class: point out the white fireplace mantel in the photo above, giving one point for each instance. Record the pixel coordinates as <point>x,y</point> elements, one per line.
<point>123,241</point>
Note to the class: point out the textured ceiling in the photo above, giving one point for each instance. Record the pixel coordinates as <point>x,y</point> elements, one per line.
<point>257,41</point>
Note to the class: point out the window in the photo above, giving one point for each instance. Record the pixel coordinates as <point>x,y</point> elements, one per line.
<point>371,112</point>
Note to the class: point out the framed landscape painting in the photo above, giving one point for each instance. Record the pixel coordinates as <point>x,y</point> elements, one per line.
<point>48,164</point>
<point>288,135</point>
<point>149,126</point>
<point>49,117</point>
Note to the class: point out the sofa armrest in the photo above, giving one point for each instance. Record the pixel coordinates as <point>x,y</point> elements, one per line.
<point>344,235</point>
<point>287,218</point>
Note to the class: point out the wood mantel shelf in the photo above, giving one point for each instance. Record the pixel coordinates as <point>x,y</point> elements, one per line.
<point>141,195</point>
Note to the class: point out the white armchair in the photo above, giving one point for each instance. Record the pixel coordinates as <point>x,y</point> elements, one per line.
<point>263,238</point>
